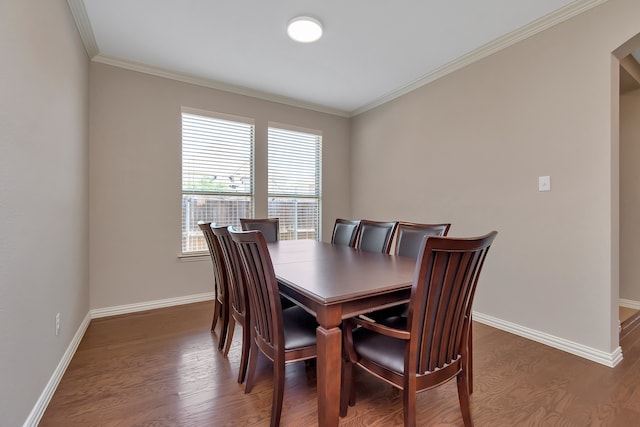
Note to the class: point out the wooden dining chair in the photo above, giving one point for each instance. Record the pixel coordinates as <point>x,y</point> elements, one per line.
<point>270,227</point>
<point>409,236</point>
<point>408,240</point>
<point>239,303</point>
<point>375,236</point>
<point>430,346</point>
<point>220,285</point>
<point>283,336</point>
<point>344,232</point>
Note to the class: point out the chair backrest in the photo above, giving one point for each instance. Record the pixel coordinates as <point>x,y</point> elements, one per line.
<point>262,286</point>
<point>445,281</point>
<point>344,232</point>
<point>219,267</point>
<point>409,236</point>
<point>235,271</point>
<point>270,227</point>
<point>375,236</point>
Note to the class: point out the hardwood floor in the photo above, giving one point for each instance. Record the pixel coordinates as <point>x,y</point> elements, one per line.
<point>162,368</point>
<point>629,321</point>
<point>626,313</point>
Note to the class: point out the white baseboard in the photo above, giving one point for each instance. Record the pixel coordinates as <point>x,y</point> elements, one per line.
<point>97,313</point>
<point>43,401</point>
<point>41,405</point>
<point>630,303</point>
<point>595,355</point>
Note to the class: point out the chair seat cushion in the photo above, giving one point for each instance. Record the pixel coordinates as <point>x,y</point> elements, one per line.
<point>381,349</point>
<point>299,328</point>
<point>382,315</point>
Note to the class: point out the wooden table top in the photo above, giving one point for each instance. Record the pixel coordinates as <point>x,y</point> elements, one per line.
<point>331,274</point>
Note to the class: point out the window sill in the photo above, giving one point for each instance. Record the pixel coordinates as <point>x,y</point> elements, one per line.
<point>200,256</point>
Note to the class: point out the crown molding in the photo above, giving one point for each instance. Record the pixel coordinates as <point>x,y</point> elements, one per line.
<point>240,90</point>
<point>564,13</point>
<point>88,39</point>
<point>79,14</point>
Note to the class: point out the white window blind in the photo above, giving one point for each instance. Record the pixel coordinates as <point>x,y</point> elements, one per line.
<point>217,175</point>
<point>294,182</point>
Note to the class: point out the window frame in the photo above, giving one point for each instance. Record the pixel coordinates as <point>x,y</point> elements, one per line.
<point>318,173</point>
<point>243,194</point>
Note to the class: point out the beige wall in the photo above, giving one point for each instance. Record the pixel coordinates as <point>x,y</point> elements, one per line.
<point>469,148</point>
<point>44,231</point>
<point>135,169</point>
<point>630,196</point>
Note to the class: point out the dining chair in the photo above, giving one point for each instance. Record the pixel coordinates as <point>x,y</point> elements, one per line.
<point>220,285</point>
<point>283,336</point>
<point>344,232</point>
<point>239,303</point>
<point>408,240</point>
<point>429,346</point>
<point>375,236</point>
<point>409,236</point>
<point>270,227</point>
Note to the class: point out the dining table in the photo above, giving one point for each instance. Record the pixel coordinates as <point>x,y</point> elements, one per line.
<point>333,283</point>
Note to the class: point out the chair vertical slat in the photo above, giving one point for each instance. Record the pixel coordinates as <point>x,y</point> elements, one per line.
<point>459,287</point>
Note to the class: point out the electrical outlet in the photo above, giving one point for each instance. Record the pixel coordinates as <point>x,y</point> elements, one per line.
<point>544,183</point>
<point>57,324</point>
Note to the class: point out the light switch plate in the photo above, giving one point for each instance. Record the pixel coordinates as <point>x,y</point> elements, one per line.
<point>544,183</point>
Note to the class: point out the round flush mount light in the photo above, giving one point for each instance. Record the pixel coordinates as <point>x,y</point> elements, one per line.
<point>304,29</point>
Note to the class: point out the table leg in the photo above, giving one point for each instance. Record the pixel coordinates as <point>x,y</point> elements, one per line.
<point>329,344</point>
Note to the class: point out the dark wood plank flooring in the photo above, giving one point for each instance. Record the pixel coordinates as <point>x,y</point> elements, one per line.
<point>162,368</point>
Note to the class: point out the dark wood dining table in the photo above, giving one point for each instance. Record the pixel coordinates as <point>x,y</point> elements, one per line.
<point>334,283</point>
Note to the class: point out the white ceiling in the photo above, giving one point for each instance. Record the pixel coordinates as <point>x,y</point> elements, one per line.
<point>371,51</point>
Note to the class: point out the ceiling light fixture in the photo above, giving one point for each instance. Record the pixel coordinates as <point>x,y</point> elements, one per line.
<point>304,29</point>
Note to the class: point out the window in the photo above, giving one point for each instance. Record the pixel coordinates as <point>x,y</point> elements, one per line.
<point>217,173</point>
<point>294,182</point>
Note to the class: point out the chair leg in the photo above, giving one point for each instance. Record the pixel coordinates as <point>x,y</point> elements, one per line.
<point>278,392</point>
<point>463,397</point>
<point>347,387</point>
<point>225,325</point>
<point>253,361</point>
<point>216,313</point>
<point>230,330</point>
<point>350,359</point>
<point>409,405</point>
<point>244,357</point>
